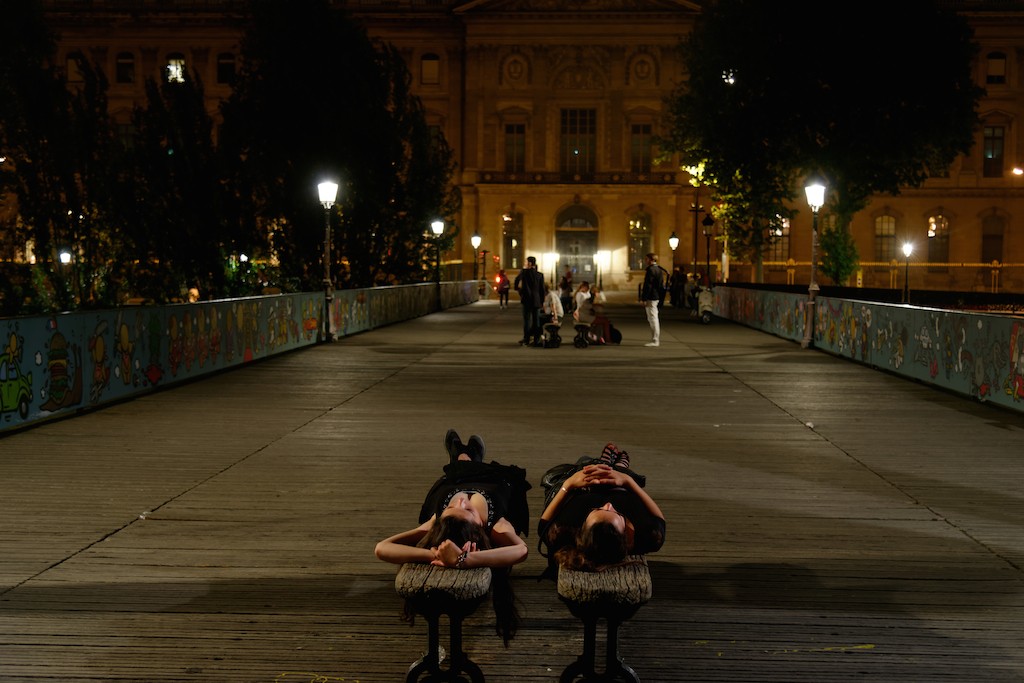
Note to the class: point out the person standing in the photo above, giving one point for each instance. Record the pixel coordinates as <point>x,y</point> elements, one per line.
<point>652,293</point>
<point>503,285</point>
<point>530,285</point>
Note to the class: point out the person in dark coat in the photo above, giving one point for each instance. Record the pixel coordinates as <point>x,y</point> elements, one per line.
<point>530,285</point>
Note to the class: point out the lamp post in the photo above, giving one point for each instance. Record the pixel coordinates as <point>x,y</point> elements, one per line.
<point>475,240</point>
<point>438,229</point>
<point>696,209</point>
<point>908,249</point>
<point>328,195</point>
<point>673,242</point>
<point>709,232</point>
<point>483,272</point>
<point>815,192</point>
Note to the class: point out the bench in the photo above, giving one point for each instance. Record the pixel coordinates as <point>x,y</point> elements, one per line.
<point>434,591</point>
<point>613,594</point>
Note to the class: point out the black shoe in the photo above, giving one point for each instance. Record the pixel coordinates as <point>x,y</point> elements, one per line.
<point>476,448</point>
<point>524,342</point>
<point>453,444</point>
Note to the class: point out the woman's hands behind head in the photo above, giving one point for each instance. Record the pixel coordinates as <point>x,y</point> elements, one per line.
<point>447,554</point>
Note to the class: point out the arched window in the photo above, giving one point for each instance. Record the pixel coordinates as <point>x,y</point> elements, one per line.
<point>430,69</point>
<point>576,241</point>
<point>639,239</point>
<point>125,67</point>
<point>175,68</point>
<point>938,243</point>
<point>512,239</point>
<point>885,238</point>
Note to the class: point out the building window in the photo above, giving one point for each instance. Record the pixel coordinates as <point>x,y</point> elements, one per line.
<point>993,162</point>
<point>125,68</point>
<point>992,229</point>
<point>176,68</point>
<point>885,238</point>
<point>226,68</point>
<point>640,148</point>
<point>512,239</point>
<point>938,243</point>
<point>430,69</point>
<point>515,147</point>
<point>778,241</point>
<point>579,140</point>
<point>996,72</point>
<point>639,240</point>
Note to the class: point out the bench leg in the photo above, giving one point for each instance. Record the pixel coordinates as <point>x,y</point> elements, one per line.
<point>583,669</point>
<point>430,663</point>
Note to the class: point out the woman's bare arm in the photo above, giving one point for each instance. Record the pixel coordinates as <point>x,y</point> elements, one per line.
<point>401,547</point>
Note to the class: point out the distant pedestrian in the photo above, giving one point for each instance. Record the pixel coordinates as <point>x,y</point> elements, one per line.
<point>530,285</point>
<point>652,293</point>
<point>503,286</point>
<point>565,291</point>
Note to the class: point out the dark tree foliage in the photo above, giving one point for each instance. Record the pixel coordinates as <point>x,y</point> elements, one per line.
<point>874,96</point>
<point>178,221</point>
<point>316,99</point>
<point>62,168</point>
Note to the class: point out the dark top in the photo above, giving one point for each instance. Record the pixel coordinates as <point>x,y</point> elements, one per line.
<point>504,487</point>
<point>648,529</point>
<point>654,284</point>
<point>530,285</point>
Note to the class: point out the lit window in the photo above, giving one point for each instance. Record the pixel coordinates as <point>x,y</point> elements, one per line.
<point>176,68</point>
<point>938,243</point>
<point>512,239</point>
<point>639,240</point>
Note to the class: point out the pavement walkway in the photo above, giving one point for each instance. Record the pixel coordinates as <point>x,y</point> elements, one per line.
<point>826,521</point>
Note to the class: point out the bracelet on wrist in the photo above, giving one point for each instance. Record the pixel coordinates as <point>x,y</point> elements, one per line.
<point>462,559</point>
<point>565,489</point>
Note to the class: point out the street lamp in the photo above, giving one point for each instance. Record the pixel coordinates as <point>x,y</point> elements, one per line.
<point>475,241</point>
<point>908,249</point>
<point>483,272</point>
<point>438,229</point>
<point>709,232</point>
<point>673,242</point>
<point>815,191</point>
<point>696,209</point>
<point>328,195</point>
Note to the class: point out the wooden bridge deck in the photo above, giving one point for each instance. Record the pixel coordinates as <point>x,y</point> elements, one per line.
<point>826,521</point>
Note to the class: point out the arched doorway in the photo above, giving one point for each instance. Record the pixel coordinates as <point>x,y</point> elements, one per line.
<point>576,243</point>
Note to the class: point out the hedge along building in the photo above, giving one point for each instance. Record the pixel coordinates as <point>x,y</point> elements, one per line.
<point>551,107</point>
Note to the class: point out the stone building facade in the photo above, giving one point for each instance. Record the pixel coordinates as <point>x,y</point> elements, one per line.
<point>551,107</point>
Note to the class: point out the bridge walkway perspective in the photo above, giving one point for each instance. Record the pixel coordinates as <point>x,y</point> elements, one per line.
<point>826,521</point>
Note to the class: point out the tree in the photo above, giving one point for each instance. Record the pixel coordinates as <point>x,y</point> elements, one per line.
<point>316,98</point>
<point>768,102</point>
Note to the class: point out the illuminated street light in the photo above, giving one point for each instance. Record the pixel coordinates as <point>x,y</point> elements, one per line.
<point>475,240</point>
<point>437,227</point>
<point>908,249</point>
<point>815,192</point>
<point>328,195</point>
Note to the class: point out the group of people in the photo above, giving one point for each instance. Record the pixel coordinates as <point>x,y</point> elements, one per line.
<point>596,513</point>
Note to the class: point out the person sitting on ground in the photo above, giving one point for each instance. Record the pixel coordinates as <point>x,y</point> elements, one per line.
<point>470,518</point>
<point>596,513</point>
<point>584,313</point>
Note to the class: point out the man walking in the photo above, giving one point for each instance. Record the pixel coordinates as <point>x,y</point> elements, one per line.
<point>530,285</point>
<point>652,292</point>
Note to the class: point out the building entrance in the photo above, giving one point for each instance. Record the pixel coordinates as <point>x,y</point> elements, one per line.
<point>576,244</point>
